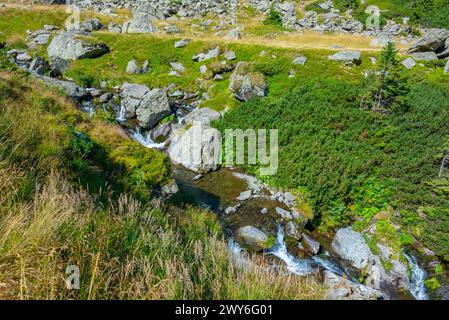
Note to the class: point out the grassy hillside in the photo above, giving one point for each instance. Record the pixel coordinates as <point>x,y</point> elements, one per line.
<point>71,199</point>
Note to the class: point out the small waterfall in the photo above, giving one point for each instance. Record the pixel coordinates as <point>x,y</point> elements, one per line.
<point>146,140</point>
<point>294,265</point>
<point>88,107</point>
<point>121,114</point>
<point>418,275</point>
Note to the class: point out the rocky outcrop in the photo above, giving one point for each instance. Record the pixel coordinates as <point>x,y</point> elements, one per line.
<point>352,248</point>
<point>39,66</point>
<point>149,106</point>
<point>424,56</point>
<point>246,84</point>
<point>197,149</point>
<point>433,41</point>
<point>141,21</point>
<point>252,237</point>
<point>74,46</point>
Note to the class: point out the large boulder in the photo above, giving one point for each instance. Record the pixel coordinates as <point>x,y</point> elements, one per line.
<point>203,115</point>
<point>141,20</point>
<point>149,106</point>
<point>197,149</point>
<point>246,84</point>
<point>339,288</point>
<point>444,53</point>
<point>347,57</point>
<point>424,56</point>
<point>75,46</point>
<point>433,41</point>
<point>252,237</point>
<point>351,247</point>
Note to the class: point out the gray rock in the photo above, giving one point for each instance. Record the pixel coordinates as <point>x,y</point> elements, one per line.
<point>182,43</point>
<point>178,67</point>
<point>39,66</point>
<point>58,67</point>
<point>153,108</point>
<point>245,84</point>
<point>39,37</point>
<point>409,63</point>
<point>347,57</point>
<point>203,115</point>
<point>399,271</point>
<point>230,55</point>
<point>203,69</point>
<point>70,88</point>
<point>211,54</point>
<point>230,210</point>
<point>264,211</point>
<point>234,34</point>
<point>23,58</point>
<point>68,46</point>
<point>444,53</point>
<point>171,29</point>
<point>161,132</point>
<point>170,188</point>
<point>50,27</point>
<point>105,97</point>
<point>339,288</point>
<point>252,237</point>
<point>284,213</point>
<point>424,56</point>
<point>310,243</point>
<point>433,41</point>
<point>301,60</point>
<point>351,247</point>
<point>140,22</point>
<point>245,195</point>
<point>132,67</point>
<point>145,67</point>
<point>91,25</point>
<point>291,229</point>
<point>197,149</point>
<point>446,68</point>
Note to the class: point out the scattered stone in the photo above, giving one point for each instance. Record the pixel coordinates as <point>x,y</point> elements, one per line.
<point>145,67</point>
<point>68,46</point>
<point>171,29</point>
<point>234,34</point>
<point>141,20</point>
<point>91,25</point>
<point>424,56</point>
<point>264,211</point>
<point>182,43</point>
<point>211,54</point>
<point>197,177</point>
<point>70,88</point>
<point>105,97</point>
<point>347,57</point>
<point>58,67</point>
<point>23,58</point>
<point>446,68</point>
<point>252,237</point>
<point>178,67</point>
<point>245,84</point>
<point>230,210</point>
<point>202,115</point>
<point>161,132</point>
<point>245,195</point>
<point>300,60</point>
<point>284,213</point>
<point>170,188</point>
<point>310,244</point>
<point>132,67</point>
<point>409,63</point>
<point>230,55</point>
<point>291,229</point>
<point>203,69</point>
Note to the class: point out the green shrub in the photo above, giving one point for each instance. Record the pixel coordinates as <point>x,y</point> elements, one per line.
<point>273,17</point>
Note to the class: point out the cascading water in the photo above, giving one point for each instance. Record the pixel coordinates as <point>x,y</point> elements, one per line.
<point>418,275</point>
<point>146,140</point>
<point>121,114</point>
<point>294,265</point>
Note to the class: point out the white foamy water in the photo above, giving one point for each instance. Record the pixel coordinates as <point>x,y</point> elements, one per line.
<point>145,140</point>
<point>418,276</point>
<point>121,114</point>
<point>294,265</point>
